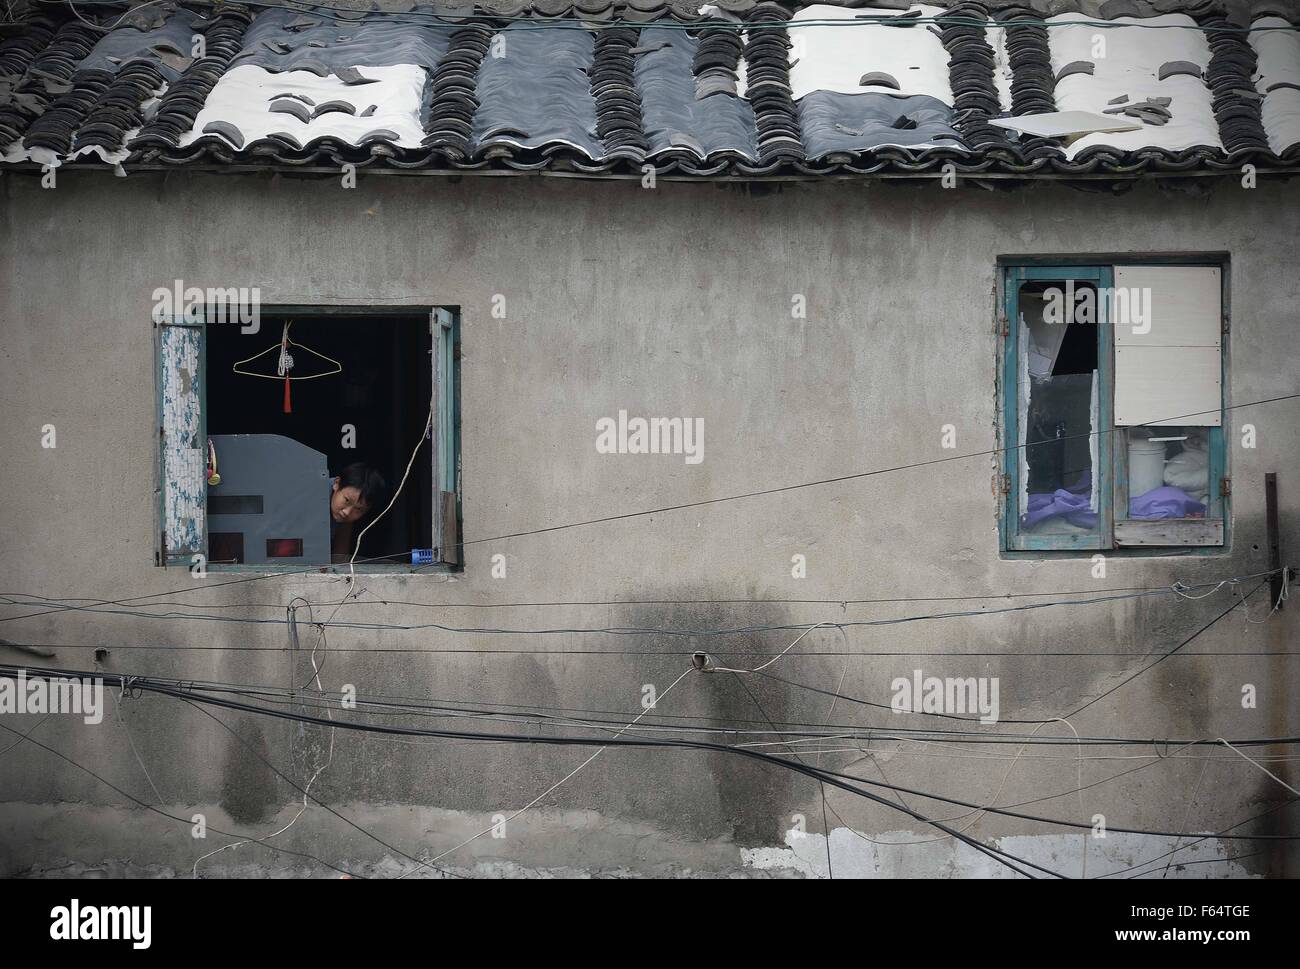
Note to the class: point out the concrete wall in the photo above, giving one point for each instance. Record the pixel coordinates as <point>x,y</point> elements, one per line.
<point>675,301</point>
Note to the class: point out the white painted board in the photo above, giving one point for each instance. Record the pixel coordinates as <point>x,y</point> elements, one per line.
<point>1167,306</point>
<point>1064,124</point>
<point>1168,326</point>
<point>1168,386</point>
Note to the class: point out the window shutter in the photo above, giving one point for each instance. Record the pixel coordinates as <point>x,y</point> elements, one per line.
<point>182,432</point>
<point>1168,325</point>
<point>449,543</point>
<point>446,512</point>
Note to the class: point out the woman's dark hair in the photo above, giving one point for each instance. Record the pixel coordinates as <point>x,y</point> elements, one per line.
<point>369,482</point>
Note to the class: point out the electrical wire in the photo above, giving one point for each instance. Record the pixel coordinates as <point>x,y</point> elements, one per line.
<point>296,697</point>
<point>563,780</point>
<point>879,471</point>
<point>991,452</point>
<point>687,633</point>
<point>896,21</point>
<point>279,606</point>
<point>149,807</point>
<point>1198,840</point>
<point>836,778</point>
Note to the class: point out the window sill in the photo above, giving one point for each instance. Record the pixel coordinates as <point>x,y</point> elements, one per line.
<point>1126,552</point>
<point>340,569</point>
<point>1173,532</point>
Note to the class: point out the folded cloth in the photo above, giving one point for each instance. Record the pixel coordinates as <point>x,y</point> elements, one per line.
<point>1076,509</point>
<point>1165,502</point>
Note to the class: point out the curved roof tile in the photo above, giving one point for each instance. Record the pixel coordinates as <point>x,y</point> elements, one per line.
<point>740,88</point>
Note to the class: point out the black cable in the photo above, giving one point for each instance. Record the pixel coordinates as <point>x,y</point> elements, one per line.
<point>322,569</point>
<point>802,654</point>
<point>277,606</point>
<point>821,785</point>
<point>668,632</point>
<point>416,17</point>
<point>457,708</point>
<point>832,777</point>
<point>1198,840</point>
<point>950,716</point>
<point>303,791</point>
<point>997,854</point>
<point>864,474</point>
<point>858,475</point>
<point>185,821</point>
<point>1164,657</point>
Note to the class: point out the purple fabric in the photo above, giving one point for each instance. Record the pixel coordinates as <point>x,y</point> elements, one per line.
<point>1165,502</point>
<point>1074,508</point>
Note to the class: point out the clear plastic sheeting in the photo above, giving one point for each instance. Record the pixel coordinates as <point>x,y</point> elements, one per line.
<point>672,116</point>
<point>538,93</point>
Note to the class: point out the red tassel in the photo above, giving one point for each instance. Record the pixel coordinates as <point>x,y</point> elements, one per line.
<point>288,408</point>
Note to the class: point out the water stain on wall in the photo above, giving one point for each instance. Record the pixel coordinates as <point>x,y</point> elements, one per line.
<point>248,785</point>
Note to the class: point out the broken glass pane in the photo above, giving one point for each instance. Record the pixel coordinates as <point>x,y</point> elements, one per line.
<point>1058,346</point>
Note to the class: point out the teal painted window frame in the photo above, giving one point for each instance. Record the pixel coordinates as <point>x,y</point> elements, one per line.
<point>1112,470</point>
<point>444,324</point>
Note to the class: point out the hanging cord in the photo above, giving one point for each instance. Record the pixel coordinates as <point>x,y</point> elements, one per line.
<point>292,623</point>
<point>1283,594</point>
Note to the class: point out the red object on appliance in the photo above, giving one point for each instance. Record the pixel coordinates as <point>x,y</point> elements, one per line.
<point>288,408</point>
<point>283,548</point>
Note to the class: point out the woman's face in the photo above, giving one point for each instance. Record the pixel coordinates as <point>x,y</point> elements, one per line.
<point>346,504</point>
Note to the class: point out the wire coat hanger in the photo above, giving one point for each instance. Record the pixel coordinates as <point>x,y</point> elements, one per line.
<point>285,363</point>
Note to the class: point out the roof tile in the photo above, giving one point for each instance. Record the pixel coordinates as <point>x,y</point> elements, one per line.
<point>748,90</point>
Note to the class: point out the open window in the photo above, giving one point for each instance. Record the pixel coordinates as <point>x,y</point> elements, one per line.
<point>1112,405</point>
<point>274,434</point>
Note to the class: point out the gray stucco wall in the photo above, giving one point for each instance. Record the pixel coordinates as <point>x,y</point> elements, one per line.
<point>672,301</point>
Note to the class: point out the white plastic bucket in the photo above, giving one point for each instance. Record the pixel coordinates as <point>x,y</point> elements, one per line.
<point>1146,466</point>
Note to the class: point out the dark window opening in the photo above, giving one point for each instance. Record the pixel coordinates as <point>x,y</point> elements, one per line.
<point>278,452</point>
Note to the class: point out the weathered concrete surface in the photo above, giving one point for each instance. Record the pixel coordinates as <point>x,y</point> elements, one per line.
<point>671,302</point>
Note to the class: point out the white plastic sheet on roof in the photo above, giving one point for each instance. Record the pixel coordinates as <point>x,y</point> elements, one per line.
<point>834,58</point>
<point>1130,66</point>
<point>1279,62</point>
<point>244,95</point>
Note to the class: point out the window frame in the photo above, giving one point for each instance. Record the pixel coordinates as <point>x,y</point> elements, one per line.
<point>1115,534</point>
<point>444,328</point>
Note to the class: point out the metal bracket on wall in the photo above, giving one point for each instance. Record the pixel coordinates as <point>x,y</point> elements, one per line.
<point>1276,581</point>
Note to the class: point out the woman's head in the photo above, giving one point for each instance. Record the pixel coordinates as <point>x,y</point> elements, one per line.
<point>357,491</point>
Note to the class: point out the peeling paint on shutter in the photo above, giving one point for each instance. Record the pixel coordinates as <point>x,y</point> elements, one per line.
<point>182,441</point>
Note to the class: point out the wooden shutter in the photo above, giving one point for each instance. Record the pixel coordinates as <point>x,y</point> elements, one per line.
<point>445,485</point>
<point>182,440</point>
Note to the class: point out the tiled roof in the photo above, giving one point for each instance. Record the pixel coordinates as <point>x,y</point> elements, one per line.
<point>740,88</point>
